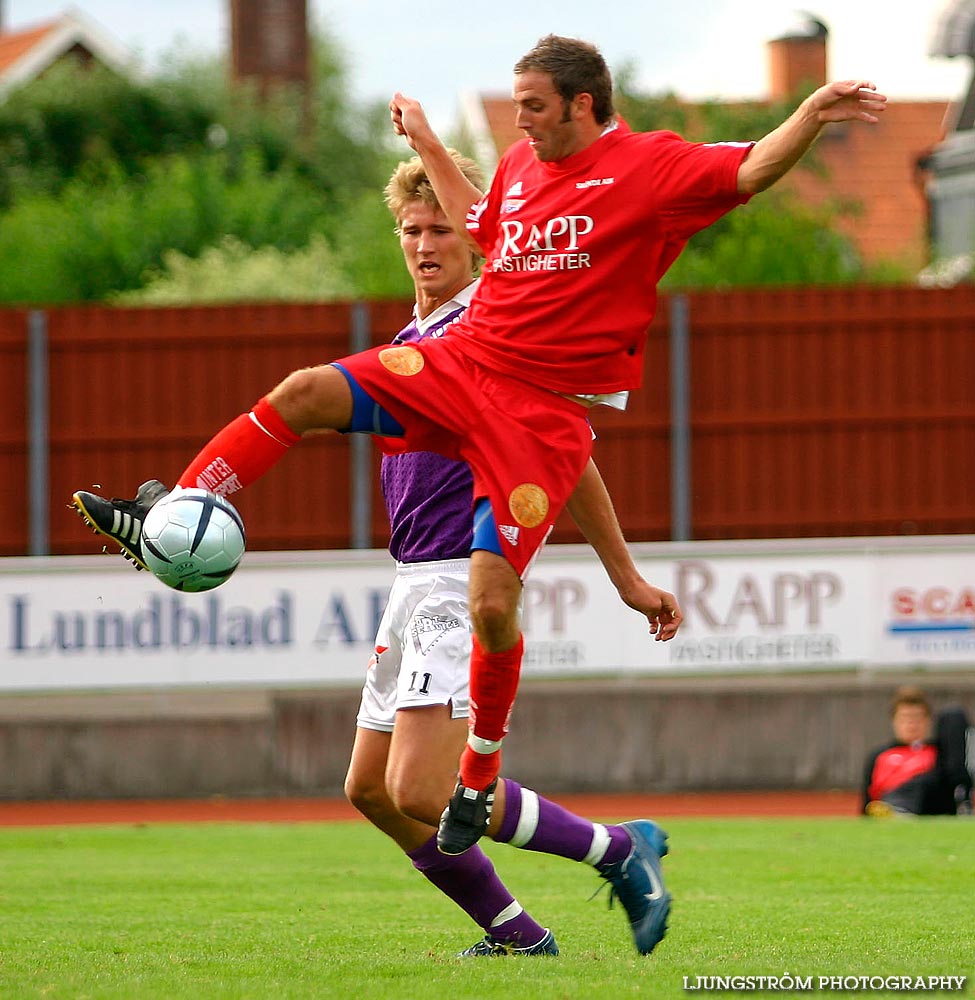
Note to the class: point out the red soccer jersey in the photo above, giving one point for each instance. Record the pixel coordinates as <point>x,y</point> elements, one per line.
<point>899,764</point>
<point>575,249</point>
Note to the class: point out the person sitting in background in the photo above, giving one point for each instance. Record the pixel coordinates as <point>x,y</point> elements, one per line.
<point>918,773</point>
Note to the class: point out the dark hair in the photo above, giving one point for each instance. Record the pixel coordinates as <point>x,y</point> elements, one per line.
<point>576,67</point>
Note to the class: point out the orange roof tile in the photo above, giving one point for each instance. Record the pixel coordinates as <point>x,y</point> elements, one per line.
<point>877,167</point>
<point>16,44</point>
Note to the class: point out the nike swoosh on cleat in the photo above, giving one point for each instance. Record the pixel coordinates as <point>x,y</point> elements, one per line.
<point>658,888</point>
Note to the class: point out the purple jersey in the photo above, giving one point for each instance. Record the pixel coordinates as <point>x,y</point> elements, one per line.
<point>428,497</point>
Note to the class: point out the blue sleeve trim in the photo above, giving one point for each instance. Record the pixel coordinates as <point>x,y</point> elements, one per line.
<point>485,530</point>
<point>368,417</point>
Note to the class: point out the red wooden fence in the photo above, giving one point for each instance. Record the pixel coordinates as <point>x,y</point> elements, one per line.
<point>814,412</point>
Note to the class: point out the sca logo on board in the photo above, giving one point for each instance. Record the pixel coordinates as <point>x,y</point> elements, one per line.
<point>933,609</point>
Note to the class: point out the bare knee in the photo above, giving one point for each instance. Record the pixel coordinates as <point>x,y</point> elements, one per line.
<point>368,796</point>
<point>495,597</point>
<point>418,801</point>
<point>495,622</point>
<point>313,399</point>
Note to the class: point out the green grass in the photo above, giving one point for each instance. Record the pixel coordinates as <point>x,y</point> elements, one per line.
<point>333,910</point>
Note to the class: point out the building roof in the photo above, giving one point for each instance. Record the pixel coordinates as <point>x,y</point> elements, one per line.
<point>25,53</point>
<point>879,169</point>
<point>16,45</point>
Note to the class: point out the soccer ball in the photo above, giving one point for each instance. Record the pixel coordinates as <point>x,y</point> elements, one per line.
<point>192,540</point>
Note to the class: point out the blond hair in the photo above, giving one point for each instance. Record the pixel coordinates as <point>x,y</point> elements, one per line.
<point>410,183</point>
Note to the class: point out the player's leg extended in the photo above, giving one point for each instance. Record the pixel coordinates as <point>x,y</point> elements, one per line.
<point>394,749</point>
<point>309,399</point>
<point>243,451</point>
<point>420,776</point>
<point>412,722</point>
<point>627,855</point>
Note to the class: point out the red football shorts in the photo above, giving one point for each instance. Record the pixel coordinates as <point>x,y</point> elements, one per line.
<point>526,446</point>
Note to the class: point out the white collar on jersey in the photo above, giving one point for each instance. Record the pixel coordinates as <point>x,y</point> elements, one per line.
<point>460,301</point>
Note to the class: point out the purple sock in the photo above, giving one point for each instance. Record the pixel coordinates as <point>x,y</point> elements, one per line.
<point>470,880</point>
<point>537,824</point>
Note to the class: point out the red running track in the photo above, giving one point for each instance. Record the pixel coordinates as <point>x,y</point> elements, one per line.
<point>217,809</point>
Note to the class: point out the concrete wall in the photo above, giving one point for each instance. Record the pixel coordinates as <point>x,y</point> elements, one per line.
<point>805,732</point>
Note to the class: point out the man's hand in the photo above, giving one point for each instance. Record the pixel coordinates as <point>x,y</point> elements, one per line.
<point>454,191</point>
<point>847,100</point>
<point>659,607</point>
<point>409,120</point>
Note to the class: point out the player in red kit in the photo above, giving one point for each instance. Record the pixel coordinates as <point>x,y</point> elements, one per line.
<point>582,219</point>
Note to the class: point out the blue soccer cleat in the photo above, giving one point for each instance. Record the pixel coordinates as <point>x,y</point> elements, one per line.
<point>638,882</point>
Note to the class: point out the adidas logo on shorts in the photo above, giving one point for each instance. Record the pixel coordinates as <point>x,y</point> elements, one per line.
<point>510,533</point>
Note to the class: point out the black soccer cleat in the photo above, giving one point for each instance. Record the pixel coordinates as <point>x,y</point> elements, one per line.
<point>120,520</point>
<point>487,947</point>
<point>465,819</point>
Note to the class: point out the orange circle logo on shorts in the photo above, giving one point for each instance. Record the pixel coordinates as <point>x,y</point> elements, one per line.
<point>401,360</point>
<point>528,504</point>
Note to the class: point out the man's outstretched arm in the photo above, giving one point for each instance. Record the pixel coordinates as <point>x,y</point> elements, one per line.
<point>454,191</point>
<point>778,152</point>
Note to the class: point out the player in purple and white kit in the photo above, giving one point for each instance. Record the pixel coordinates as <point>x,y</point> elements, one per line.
<point>412,721</point>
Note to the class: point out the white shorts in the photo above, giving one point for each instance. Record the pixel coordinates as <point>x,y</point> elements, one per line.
<point>423,646</point>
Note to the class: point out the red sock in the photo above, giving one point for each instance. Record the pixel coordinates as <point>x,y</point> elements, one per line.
<point>242,452</point>
<point>478,770</point>
<point>494,684</point>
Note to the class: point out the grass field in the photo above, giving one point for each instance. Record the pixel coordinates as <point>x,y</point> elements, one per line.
<point>333,910</point>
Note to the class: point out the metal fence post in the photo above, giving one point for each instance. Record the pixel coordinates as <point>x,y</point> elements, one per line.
<point>38,444</point>
<point>680,420</point>
<point>360,473</point>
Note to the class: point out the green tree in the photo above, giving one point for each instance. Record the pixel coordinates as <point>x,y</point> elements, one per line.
<point>699,121</point>
<point>100,175</point>
<point>232,271</point>
<point>774,240</point>
<point>73,117</point>
<point>104,231</point>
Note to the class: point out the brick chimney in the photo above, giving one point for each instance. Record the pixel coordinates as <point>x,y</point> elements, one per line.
<point>269,41</point>
<point>797,60</point>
